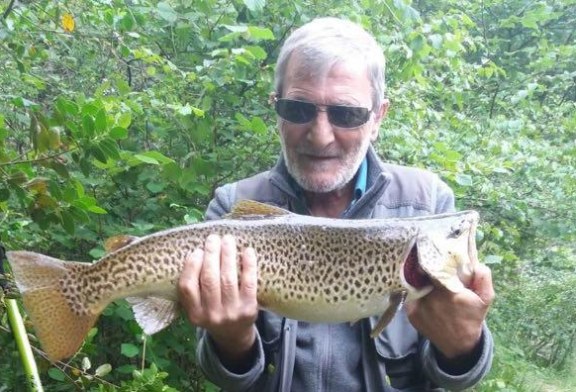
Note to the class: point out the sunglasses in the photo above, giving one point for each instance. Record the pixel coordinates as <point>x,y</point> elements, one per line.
<point>302,112</point>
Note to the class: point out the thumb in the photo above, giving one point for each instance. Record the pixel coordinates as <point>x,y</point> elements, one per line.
<point>481,284</point>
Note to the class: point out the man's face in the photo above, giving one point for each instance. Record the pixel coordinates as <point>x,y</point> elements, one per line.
<point>319,155</point>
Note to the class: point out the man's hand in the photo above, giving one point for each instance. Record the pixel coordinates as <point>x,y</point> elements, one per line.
<point>453,321</point>
<point>216,298</point>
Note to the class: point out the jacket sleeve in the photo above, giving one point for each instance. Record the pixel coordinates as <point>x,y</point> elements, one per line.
<point>206,353</point>
<point>218,374</point>
<point>461,381</point>
<point>222,202</point>
<point>444,197</point>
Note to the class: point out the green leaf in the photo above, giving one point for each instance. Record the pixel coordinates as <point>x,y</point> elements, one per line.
<point>259,126</point>
<point>166,12</point>
<point>464,179</point>
<point>124,311</point>
<point>260,33</point>
<point>155,187</point>
<point>157,156</point>
<point>97,253</point>
<point>85,164</point>
<point>110,148</point>
<point>171,171</point>
<point>67,107</point>
<point>100,123</point>
<point>243,121</point>
<point>54,189</point>
<point>79,188</point>
<point>56,374</point>
<point>257,52</point>
<point>146,159</point>
<point>24,103</point>
<point>88,125</point>
<point>492,259</point>
<point>118,133</point>
<point>127,22</point>
<point>255,5</point>
<point>129,350</point>
<point>126,369</point>
<point>97,152</point>
<point>79,214</point>
<point>237,28</point>
<point>4,193</point>
<point>124,120</point>
<point>84,202</point>
<point>96,210</point>
<point>59,168</point>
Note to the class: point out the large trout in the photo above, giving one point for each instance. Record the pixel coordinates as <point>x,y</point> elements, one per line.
<point>309,268</point>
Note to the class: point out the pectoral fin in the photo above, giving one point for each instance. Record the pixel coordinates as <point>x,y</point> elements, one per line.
<point>396,302</point>
<point>152,313</point>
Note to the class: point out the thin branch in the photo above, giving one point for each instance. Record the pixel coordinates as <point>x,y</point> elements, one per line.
<point>59,363</point>
<point>8,9</point>
<point>37,159</point>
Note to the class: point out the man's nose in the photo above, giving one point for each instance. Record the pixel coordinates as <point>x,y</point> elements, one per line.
<point>321,132</point>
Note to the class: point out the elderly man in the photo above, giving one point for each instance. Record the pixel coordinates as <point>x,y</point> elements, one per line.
<point>329,98</point>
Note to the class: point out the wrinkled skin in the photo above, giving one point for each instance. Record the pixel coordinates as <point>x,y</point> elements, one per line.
<point>453,321</point>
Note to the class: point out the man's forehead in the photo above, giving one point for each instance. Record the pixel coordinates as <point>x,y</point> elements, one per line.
<point>310,69</point>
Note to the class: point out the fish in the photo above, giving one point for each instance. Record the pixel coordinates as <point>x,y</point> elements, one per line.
<point>309,268</point>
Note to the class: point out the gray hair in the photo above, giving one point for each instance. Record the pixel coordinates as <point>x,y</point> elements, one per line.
<point>324,42</point>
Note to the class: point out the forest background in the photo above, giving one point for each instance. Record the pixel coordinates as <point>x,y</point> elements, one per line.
<point>123,116</point>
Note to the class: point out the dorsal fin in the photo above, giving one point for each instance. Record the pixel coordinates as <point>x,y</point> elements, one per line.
<point>118,241</point>
<point>250,209</point>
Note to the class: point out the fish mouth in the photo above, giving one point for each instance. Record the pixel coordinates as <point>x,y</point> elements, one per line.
<point>414,275</point>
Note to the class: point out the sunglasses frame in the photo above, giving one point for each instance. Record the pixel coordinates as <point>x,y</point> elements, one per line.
<point>322,108</point>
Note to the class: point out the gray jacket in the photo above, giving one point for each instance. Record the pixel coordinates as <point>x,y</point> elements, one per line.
<point>399,359</point>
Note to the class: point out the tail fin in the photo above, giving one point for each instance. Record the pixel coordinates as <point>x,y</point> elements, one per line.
<point>38,277</point>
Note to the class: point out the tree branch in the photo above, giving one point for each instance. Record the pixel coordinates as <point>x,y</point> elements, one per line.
<point>37,159</point>
<point>8,9</point>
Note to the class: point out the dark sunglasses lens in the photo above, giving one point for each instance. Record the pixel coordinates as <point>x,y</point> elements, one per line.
<point>295,111</point>
<point>348,116</point>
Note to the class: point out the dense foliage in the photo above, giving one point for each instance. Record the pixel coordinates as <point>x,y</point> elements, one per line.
<point>123,116</point>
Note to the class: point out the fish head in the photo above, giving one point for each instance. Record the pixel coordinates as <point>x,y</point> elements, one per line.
<point>443,251</point>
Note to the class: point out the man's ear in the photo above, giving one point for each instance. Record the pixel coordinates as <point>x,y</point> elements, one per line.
<point>379,115</point>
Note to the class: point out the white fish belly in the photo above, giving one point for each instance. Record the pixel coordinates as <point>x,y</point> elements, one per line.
<point>323,312</point>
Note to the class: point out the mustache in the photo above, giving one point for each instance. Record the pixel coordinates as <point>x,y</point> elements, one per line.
<point>329,152</point>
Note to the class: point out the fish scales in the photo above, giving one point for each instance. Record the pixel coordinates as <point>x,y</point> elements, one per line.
<point>309,268</point>
<point>293,254</point>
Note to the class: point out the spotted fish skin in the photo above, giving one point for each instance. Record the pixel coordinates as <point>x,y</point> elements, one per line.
<point>309,268</point>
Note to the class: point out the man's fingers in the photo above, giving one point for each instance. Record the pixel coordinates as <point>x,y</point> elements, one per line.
<point>482,284</point>
<point>210,274</point>
<point>229,271</point>
<point>249,275</point>
<point>189,289</point>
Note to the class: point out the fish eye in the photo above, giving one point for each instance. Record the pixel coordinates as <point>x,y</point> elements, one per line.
<point>457,230</point>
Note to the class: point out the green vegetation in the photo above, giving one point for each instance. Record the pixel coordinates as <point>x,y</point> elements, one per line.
<point>123,116</point>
